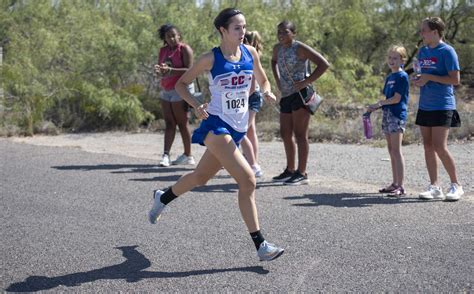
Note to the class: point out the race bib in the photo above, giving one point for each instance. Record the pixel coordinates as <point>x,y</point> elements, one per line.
<point>234,102</point>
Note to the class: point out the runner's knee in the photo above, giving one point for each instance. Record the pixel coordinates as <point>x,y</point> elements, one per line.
<point>247,184</point>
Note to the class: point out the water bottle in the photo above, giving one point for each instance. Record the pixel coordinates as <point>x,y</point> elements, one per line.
<point>367,125</point>
<point>416,68</point>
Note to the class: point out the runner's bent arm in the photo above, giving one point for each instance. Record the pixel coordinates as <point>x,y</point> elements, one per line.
<point>260,75</point>
<point>204,63</point>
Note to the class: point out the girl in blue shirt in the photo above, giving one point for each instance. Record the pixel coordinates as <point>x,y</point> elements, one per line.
<point>437,107</point>
<point>395,116</point>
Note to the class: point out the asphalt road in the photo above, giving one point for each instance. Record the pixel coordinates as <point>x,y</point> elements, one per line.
<point>74,221</point>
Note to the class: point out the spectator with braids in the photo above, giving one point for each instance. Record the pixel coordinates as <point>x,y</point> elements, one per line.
<point>174,58</point>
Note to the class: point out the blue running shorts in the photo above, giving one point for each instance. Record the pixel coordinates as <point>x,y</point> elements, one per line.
<point>217,126</point>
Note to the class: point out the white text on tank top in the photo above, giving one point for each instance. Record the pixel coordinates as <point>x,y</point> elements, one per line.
<point>234,96</point>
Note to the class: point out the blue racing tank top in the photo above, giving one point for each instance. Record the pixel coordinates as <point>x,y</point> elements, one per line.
<point>229,84</point>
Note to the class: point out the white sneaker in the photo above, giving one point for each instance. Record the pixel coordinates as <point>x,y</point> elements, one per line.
<point>165,160</point>
<point>184,159</point>
<point>432,193</point>
<point>157,208</point>
<point>257,170</point>
<point>455,192</point>
<point>268,251</point>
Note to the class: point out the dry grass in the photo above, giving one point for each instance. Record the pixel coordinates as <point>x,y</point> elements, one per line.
<point>343,123</point>
<point>332,123</point>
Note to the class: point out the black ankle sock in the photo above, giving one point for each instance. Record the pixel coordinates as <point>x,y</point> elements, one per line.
<point>257,238</point>
<point>168,196</point>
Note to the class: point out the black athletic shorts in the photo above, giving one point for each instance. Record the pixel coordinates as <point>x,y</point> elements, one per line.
<point>292,103</point>
<point>438,118</point>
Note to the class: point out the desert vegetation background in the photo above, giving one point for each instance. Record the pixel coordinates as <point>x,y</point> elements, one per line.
<point>87,65</point>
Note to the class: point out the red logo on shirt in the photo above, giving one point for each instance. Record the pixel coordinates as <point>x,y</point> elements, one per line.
<point>238,80</point>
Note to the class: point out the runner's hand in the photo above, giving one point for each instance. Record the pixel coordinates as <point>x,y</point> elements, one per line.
<point>201,111</point>
<point>269,97</point>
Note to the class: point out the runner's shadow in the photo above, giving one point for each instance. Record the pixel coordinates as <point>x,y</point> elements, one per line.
<point>230,187</point>
<point>350,200</point>
<point>167,178</point>
<point>261,184</point>
<point>225,188</point>
<point>122,168</point>
<point>131,270</point>
<point>174,178</point>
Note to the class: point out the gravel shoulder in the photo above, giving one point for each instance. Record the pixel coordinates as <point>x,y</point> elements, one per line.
<point>351,166</point>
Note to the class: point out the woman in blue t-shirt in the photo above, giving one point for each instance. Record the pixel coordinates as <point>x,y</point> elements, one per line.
<point>437,108</point>
<point>395,116</point>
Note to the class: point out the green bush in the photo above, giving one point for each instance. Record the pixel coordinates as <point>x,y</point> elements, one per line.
<point>88,65</point>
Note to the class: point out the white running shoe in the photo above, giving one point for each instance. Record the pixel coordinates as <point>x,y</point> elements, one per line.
<point>157,208</point>
<point>184,159</point>
<point>455,192</point>
<point>268,251</point>
<point>257,171</point>
<point>433,192</point>
<point>165,160</point>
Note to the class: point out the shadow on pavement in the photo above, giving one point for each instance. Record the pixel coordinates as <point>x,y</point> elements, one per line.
<point>351,199</point>
<point>131,270</point>
<point>230,187</point>
<point>122,168</point>
<point>167,178</point>
<point>224,188</point>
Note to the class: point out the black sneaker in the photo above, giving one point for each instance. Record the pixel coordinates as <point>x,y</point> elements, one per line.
<point>285,175</point>
<point>297,179</point>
